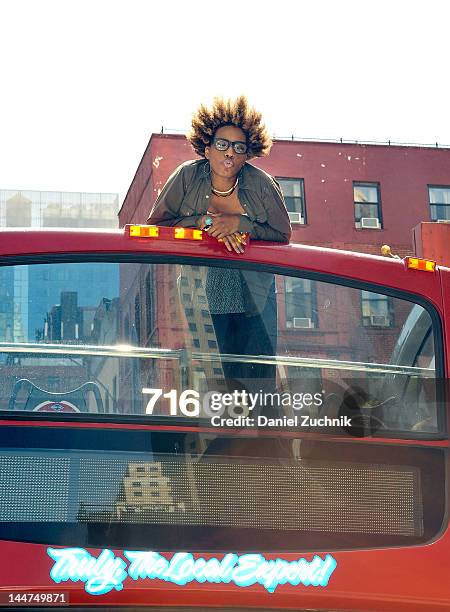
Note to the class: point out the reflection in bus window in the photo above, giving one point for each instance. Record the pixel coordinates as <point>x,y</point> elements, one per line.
<point>150,326</point>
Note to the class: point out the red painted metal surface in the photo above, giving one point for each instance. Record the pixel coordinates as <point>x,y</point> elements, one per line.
<point>445,280</point>
<point>385,580</point>
<point>346,264</point>
<point>432,241</point>
<point>382,580</point>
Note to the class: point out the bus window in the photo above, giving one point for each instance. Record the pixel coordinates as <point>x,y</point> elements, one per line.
<point>98,347</point>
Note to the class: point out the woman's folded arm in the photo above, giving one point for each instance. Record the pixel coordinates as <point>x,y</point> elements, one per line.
<point>277,228</point>
<point>166,209</point>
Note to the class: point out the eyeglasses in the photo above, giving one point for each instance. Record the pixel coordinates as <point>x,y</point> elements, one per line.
<point>222,144</point>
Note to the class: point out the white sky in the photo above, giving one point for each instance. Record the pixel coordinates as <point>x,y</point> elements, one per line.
<point>85,82</point>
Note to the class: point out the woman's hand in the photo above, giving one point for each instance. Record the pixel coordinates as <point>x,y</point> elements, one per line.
<point>224,225</point>
<point>235,242</point>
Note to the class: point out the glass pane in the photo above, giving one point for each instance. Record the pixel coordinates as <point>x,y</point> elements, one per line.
<point>299,285</point>
<point>365,193</point>
<point>294,205</point>
<point>439,195</point>
<point>366,211</point>
<point>95,337</point>
<point>375,307</point>
<point>291,188</point>
<point>440,212</point>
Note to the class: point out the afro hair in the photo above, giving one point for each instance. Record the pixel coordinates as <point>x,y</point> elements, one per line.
<point>206,121</point>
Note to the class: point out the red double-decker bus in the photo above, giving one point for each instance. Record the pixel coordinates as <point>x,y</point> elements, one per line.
<point>134,476</point>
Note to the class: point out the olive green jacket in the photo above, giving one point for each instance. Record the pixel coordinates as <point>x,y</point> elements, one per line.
<point>184,199</point>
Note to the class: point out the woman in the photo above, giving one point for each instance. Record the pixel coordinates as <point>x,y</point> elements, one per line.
<point>228,198</point>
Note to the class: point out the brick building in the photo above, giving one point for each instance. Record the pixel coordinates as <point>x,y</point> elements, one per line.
<point>346,196</point>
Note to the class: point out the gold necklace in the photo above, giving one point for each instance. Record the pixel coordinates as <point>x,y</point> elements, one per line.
<point>224,194</point>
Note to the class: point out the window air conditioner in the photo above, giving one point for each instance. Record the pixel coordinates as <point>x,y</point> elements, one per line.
<point>303,323</point>
<point>370,222</point>
<point>379,320</point>
<point>296,217</point>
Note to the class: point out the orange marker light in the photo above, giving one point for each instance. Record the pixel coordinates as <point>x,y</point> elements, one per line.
<point>415,263</point>
<point>153,231</point>
<point>187,233</point>
<point>144,231</point>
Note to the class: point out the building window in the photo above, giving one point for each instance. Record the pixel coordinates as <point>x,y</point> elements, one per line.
<point>376,309</point>
<point>294,196</point>
<point>439,203</point>
<point>300,303</point>
<point>366,197</point>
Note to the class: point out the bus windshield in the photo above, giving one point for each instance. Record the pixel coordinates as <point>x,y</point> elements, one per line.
<point>134,339</point>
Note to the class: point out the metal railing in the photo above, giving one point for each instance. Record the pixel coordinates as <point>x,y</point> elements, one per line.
<point>186,356</point>
<point>293,137</point>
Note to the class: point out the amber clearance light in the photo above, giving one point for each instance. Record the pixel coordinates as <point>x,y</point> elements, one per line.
<point>186,232</point>
<point>143,231</point>
<point>152,231</point>
<point>415,263</point>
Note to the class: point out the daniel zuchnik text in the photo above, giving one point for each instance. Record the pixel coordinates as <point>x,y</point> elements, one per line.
<point>107,572</point>
<point>284,421</point>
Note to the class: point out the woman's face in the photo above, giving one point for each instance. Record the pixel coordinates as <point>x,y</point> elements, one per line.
<point>226,164</point>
